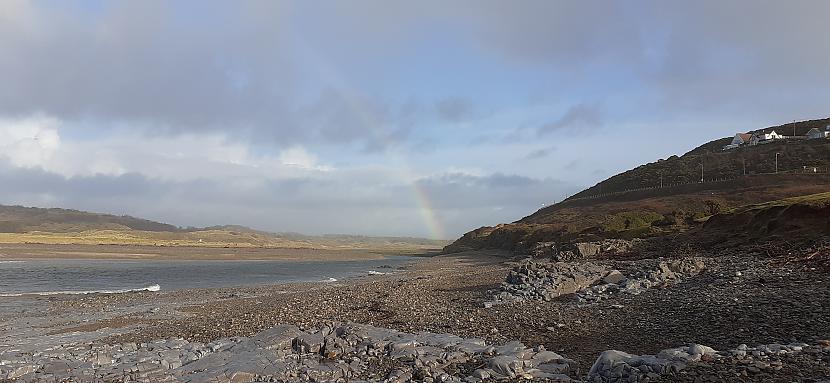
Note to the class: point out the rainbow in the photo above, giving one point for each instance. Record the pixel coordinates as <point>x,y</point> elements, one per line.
<point>427,212</point>
<point>421,197</point>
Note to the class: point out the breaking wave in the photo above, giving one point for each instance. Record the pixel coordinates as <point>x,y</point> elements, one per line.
<point>148,288</point>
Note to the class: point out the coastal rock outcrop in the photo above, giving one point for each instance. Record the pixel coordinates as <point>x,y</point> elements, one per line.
<point>542,280</point>
<point>535,280</point>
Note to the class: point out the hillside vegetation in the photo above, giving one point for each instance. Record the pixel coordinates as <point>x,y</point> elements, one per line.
<point>793,156</point>
<point>633,204</point>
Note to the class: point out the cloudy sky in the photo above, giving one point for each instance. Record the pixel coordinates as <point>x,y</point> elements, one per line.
<point>420,118</point>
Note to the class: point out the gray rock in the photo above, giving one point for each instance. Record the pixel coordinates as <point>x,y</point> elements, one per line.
<point>614,276</point>
<point>277,338</point>
<point>506,366</point>
<point>308,343</point>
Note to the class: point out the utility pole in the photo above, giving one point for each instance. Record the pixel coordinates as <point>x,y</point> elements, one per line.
<point>661,181</point>
<point>793,130</point>
<point>776,162</point>
<point>744,159</point>
<point>701,170</point>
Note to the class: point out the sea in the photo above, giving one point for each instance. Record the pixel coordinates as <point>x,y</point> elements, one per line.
<point>70,276</point>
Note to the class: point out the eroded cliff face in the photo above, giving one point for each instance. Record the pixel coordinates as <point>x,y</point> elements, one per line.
<point>789,221</point>
<point>516,238</point>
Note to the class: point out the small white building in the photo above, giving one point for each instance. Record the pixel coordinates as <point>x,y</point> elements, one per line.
<point>815,133</point>
<point>740,139</point>
<point>761,137</point>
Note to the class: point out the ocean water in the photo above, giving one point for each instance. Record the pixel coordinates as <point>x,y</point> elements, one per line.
<point>47,277</point>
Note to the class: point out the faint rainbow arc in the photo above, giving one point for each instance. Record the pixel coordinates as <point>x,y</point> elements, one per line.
<point>421,196</point>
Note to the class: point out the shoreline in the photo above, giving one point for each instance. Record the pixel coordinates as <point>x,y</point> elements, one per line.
<point>341,271</point>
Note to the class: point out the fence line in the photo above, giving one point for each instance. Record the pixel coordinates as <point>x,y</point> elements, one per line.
<point>811,170</point>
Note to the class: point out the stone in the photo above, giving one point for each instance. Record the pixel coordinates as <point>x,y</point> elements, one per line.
<point>608,359</point>
<point>546,356</point>
<point>277,338</point>
<point>587,249</point>
<point>242,376</point>
<point>614,276</point>
<point>56,367</point>
<point>697,349</point>
<point>19,371</point>
<point>308,343</point>
<point>481,374</point>
<point>505,365</point>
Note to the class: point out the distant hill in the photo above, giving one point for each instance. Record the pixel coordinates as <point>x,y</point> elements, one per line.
<point>668,196</point>
<point>64,226</point>
<point>19,219</point>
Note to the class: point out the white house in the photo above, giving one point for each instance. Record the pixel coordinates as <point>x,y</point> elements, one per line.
<point>761,137</point>
<point>740,139</point>
<point>815,133</point>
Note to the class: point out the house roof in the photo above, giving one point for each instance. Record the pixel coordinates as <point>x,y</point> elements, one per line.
<point>744,136</point>
<point>814,129</point>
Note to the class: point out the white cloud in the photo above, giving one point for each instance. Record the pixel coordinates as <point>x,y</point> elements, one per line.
<point>36,142</point>
<point>29,142</point>
<point>299,157</point>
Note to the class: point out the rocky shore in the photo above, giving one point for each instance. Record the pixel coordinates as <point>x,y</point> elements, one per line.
<point>355,352</point>
<point>655,320</point>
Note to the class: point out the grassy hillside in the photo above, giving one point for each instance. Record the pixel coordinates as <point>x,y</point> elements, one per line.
<point>717,164</point>
<point>633,204</point>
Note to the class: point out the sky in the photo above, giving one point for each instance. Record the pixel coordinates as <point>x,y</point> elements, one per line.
<point>395,118</point>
